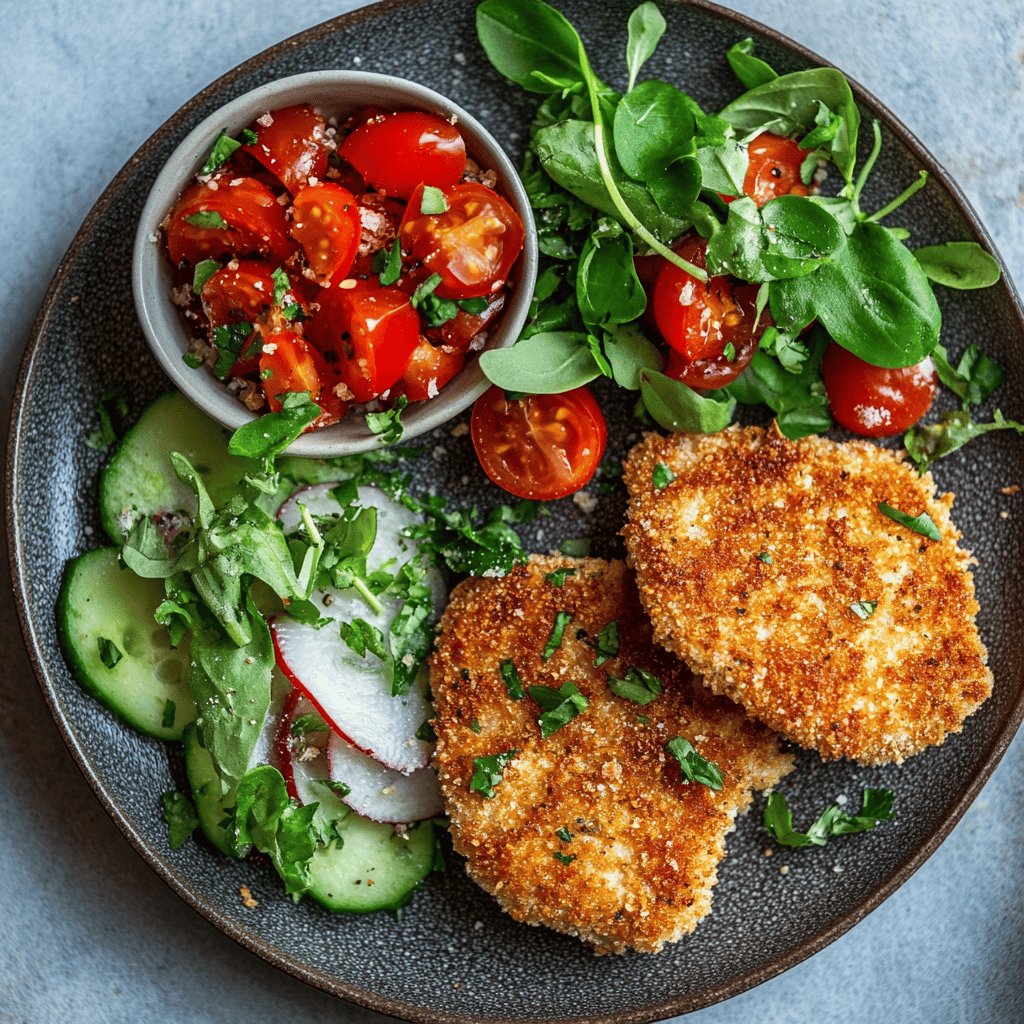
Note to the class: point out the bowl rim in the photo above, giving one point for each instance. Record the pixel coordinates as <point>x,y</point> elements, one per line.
<point>161,320</point>
<point>20,428</point>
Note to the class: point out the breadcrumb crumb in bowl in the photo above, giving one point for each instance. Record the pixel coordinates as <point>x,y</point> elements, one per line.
<point>336,93</point>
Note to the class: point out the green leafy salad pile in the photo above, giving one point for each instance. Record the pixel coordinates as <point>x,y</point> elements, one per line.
<point>611,174</point>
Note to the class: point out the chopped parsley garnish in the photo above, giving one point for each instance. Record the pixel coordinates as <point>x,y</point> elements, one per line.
<point>487,772</point>
<point>643,719</point>
<point>335,787</point>
<point>575,547</point>
<point>391,270</point>
<point>474,306</point>
<point>694,767</point>
<point>436,311</point>
<point>565,858</point>
<point>638,685</point>
<point>229,339</point>
<point>204,270</point>
<point>362,636</point>
<point>607,643</point>
<point>765,556</point>
<point>208,219</point>
<point>510,677</point>
<point>281,285</point>
<point>558,577</point>
<point>876,806</point>
<point>475,726</point>
<point>110,653</point>
<point>562,619</point>
<point>922,524</point>
<point>560,706</point>
<point>426,732</point>
<point>432,201</point>
<point>190,359</point>
<point>249,137</point>
<point>220,154</point>
<point>388,422</point>
<point>170,710</point>
<point>729,351</point>
<point>308,723</point>
<point>863,609</point>
<point>564,834</point>
<point>180,817</point>
<point>292,312</point>
<point>662,476</point>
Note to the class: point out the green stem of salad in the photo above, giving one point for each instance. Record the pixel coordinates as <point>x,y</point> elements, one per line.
<point>613,190</point>
<point>367,595</point>
<point>922,180</point>
<point>869,163</point>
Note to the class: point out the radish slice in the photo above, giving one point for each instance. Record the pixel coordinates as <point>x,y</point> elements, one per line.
<point>353,693</point>
<point>380,793</point>
<point>265,751</point>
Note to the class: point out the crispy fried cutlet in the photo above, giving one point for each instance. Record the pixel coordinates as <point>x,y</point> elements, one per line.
<point>768,567</point>
<point>644,846</point>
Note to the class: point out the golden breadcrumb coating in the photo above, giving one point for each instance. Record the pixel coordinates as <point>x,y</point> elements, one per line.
<point>749,564</point>
<point>645,844</point>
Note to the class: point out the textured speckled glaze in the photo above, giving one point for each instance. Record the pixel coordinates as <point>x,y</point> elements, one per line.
<point>454,956</point>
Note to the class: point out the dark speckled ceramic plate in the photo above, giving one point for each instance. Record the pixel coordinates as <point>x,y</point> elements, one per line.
<point>454,956</point>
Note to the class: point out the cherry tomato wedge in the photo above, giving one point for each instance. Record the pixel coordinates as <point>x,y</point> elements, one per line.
<point>542,446</point>
<point>458,334</point>
<point>240,291</point>
<point>290,144</point>
<point>287,364</point>
<point>429,369</point>
<point>370,332</point>
<point>332,388</point>
<point>774,169</point>
<point>873,401</point>
<point>227,216</point>
<point>325,222</point>
<point>708,326</point>
<point>472,245</point>
<point>396,152</point>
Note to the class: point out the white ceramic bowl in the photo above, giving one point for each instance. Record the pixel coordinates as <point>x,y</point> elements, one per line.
<point>335,92</point>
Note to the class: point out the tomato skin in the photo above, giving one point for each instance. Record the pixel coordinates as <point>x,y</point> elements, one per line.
<point>370,332</point>
<point>240,291</point>
<point>458,335</point>
<point>255,221</point>
<point>292,146</point>
<point>472,245</point>
<point>429,369</point>
<point>873,401</point>
<point>288,366</point>
<point>774,168</point>
<point>698,320</point>
<point>540,447</point>
<point>325,222</point>
<point>397,152</point>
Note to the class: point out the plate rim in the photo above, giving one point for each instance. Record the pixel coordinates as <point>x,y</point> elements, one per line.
<point>180,883</point>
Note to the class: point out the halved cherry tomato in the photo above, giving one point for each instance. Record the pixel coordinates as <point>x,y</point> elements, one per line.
<point>334,392</point>
<point>240,291</point>
<point>541,446</point>
<point>290,144</point>
<point>429,369</point>
<point>397,152</point>
<point>701,320</point>
<point>371,331</point>
<point>286,364</point>
<point>472,245</point>
<point>227,216</point>
<point>325,222</point>
<point>458,334</point>
<point>774,168</point>
<point>873,401</point>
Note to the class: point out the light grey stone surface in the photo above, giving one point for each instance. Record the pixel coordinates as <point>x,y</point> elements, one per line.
<point>87,933</point>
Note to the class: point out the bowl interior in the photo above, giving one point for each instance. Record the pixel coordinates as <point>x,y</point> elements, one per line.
<point>336,93</point>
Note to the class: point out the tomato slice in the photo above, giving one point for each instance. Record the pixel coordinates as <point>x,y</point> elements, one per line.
<point>325,222</point>
<point>240,291</point>
<point>873,401</point>
<point>286,364</point>
<point>370,332</point>
<point>290,144</point>
<point>774,168</point>
<point>227,216</point>
<point>708,326</point>
<point>472,245</point>
<point>460,333</point>
<point>396,152</point>
<point>429,369</point>
<point>542,446</point>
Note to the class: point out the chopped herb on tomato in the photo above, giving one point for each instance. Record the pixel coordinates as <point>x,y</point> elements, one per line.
<point>562,619</point>
<point>229,339</point>
<point>222,150</point>
<point>292,312</point>
<point>208,220</point>
<point>488,772</point>
<point>432,201</point>
<point>922,524</point>
<point>694,767</point>
<point>282,285</point>
<point>391,268</point>
<point>204,270</point>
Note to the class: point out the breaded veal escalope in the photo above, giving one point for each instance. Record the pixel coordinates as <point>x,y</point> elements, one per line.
<point>749,564</point>
<point>644,844</point>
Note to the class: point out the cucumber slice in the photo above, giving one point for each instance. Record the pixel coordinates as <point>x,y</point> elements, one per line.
<point>206,791</point>
<point>374,868</point>
<point>99,602</point>
<point>139,480</point>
